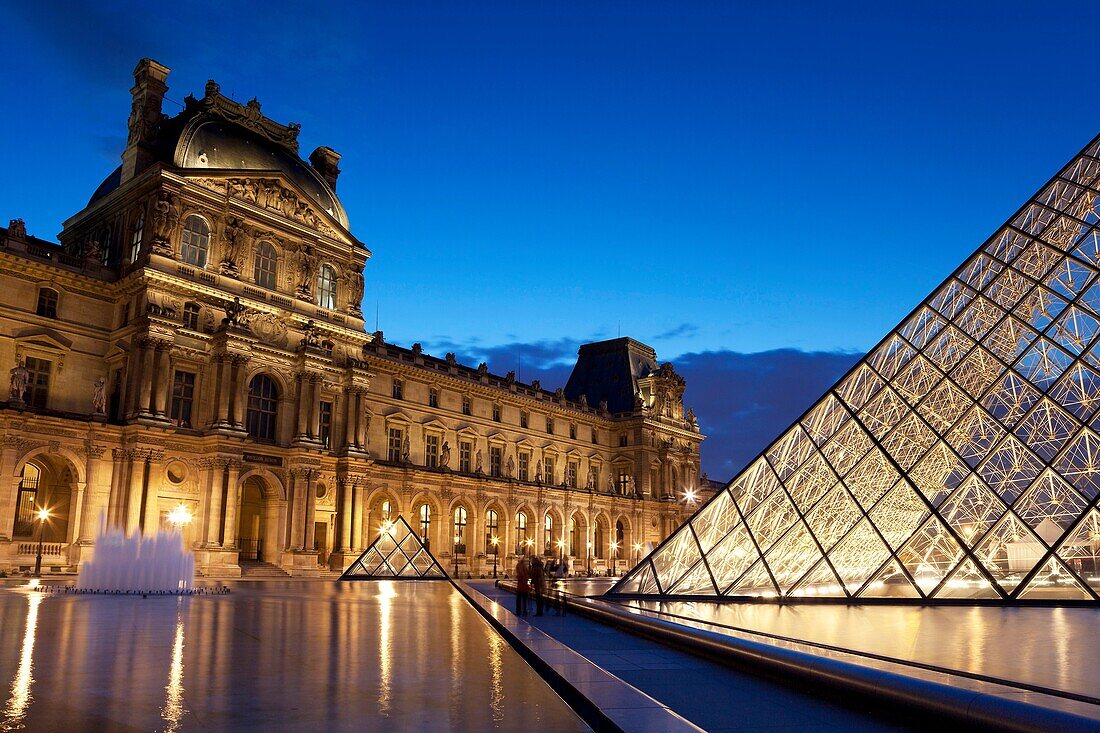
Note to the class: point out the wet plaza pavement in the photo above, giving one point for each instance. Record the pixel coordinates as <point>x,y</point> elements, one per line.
<point>272,655</point>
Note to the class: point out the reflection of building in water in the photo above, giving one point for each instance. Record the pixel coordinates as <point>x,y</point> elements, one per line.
<point>197,338</point>
<point>959,459</point>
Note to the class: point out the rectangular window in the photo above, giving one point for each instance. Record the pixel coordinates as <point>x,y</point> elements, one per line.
<point>571,474</point>
<point>595,437</point>
<point>624,482</point>
<point>396,440</point>
<point>572,431</point>
<point>465,405</point>
<point>548,470</point>
<point>183,397</point>
<point>38,385</point>
<point>431,451</point>
<point>191,316</point>
<point>550,425</point>
<point>325,424</point>
<point>523,419</point>
<point>524,466</point>
<point>496,455</point>
<point>47,303</point>
<point>398,389</point>
<point>622,438</point>
<point>433,397</point>
<point>464,449</point>
<point>496,413</point>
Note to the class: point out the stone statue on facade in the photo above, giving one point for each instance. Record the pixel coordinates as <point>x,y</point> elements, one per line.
<point>305,264</point>
<point>692,420</point>
<point>477,463</point>
<point>20,378</point>
<point>450,358</point>
<point>17,229</point>
<point>233,313</point>
<point>232,239</point>
<point>445,455</point>
<point>538,472</point>
<point>406,448</point>
<point>603,405</point>
<point>510,468</point>
<point>633,485</point>
<point>311,335</point>
<point>536,384</point>
<point>482,369</point>
<point>355,293</point>
<point>611,488</point>
<point>166,214</point>
<point>591,484</point>
<point>639,400</point>
<point>99,396</point>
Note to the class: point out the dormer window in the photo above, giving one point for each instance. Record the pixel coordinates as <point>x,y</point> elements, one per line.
<point>195,242</point>
<point>326,287</point>
<point>47,303</point>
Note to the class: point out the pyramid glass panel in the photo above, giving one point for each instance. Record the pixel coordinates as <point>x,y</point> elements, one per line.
<point>397,552</point>
<point>958,459</point>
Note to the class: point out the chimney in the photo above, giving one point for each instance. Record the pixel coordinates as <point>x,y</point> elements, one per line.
<point>324,161</point>
<point>145,116</point>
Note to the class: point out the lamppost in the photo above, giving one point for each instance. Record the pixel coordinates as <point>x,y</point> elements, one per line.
<point>588,558</point>
<point>614,558</point>
<point>457,538</point>
<point>496,553</point>
<point>43,515</point>
<point>561,551</point>
<point>530,544</point>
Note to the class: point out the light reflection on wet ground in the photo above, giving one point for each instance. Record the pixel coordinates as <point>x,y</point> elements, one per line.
<point>1056,648</point>
<point>275,655</point>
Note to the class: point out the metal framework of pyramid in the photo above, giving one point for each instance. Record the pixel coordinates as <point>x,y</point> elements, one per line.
<point>959,459</point>
<point>397,552</point>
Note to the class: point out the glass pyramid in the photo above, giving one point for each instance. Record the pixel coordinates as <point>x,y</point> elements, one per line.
<point>959,459</point>
<point>396,553</point>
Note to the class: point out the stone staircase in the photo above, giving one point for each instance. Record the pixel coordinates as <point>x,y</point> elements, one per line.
<point>257,569</point>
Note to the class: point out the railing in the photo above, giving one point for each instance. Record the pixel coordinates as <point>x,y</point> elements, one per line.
<point>49,549</point>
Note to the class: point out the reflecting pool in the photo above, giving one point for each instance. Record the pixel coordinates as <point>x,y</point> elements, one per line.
<point>277,655</point>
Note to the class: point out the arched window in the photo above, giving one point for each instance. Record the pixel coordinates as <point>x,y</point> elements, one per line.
<point>26,503</point>
<point>326,287</point>
<point>548,540</point>
<point>521,533</point>
<point>263,407</point>
<point>386,511</point>
<point>574,547</point>
<point>491,526</point>
<point>266,262</point>
<point>136,236</point>
<point>460,530</point>
<point>598,539</point>
<point>425,522</point>
<point>620,533</point>
<point>195,242</point>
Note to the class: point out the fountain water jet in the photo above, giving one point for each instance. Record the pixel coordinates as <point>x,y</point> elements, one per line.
<point>135,564</point>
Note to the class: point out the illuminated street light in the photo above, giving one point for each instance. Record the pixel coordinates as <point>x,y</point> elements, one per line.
<point>637,550</point>
<point>689,496</point>
<point>561,550</point>
<point>179,517</point>
<point>43,514</point>
<point>614,557</point>
<point>495,541</point>
<point>588,558</point>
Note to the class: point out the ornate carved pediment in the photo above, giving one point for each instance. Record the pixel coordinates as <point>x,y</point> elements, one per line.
<point>247,115</point>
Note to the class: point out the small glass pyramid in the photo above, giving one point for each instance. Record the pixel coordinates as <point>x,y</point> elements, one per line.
<point>397,552</point>
<point>959,459</point>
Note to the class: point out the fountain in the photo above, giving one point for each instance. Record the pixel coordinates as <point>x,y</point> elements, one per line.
<point>159,564</point>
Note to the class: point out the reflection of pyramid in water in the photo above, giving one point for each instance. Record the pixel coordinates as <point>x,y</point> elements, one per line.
<point>959,459</point>
<point>396,553</point>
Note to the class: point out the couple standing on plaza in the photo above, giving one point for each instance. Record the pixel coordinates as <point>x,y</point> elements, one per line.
<point>530,578</point>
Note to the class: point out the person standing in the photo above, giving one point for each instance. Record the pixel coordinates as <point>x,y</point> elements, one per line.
<point>521,587</point>
<point>538,577</point>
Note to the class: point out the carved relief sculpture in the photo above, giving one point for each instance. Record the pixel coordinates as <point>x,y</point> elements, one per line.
<point>166,214</point>
<point>355,293</point>
<point>99,396</point>
<point>233,238</point>
<point>305,264</point>
<point>445,456</point>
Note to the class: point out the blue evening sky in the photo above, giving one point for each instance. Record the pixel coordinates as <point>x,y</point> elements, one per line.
<point>724,181</point>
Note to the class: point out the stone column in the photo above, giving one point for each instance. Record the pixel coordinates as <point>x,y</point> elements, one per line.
<point>93,504</point>
<point>315,408</point>
<point>297,509</point>
<point>358,501</point>
<point>151,522</point>
<point>164,380</point>
<point>310,513</point>
<point>9,486</point>
<point>239,393</point>
<point>303,410</point>
<point>133,378</point>
<point>351,416</point>
<point>222,385</point>
<point>117,495</point>
<point>231,505</point>
<point>76,511</point>
<point>343,514</point>
<point>145,393</point>
<point>361,419</point>
<point>132,520</point>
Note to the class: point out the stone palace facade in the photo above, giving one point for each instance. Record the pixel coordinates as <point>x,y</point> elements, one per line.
<point>194,348</point>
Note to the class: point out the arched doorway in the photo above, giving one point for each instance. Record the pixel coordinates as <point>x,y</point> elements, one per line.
<point>258,519</point>
<point>45,482</point>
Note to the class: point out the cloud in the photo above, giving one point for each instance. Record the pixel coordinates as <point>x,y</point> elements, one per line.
<point>549,361</point>
<point>746,400</point>
<point>684,329</point>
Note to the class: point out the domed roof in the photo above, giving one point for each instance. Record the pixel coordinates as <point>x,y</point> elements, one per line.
<point>214,143</point>
<point>217,133</point>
